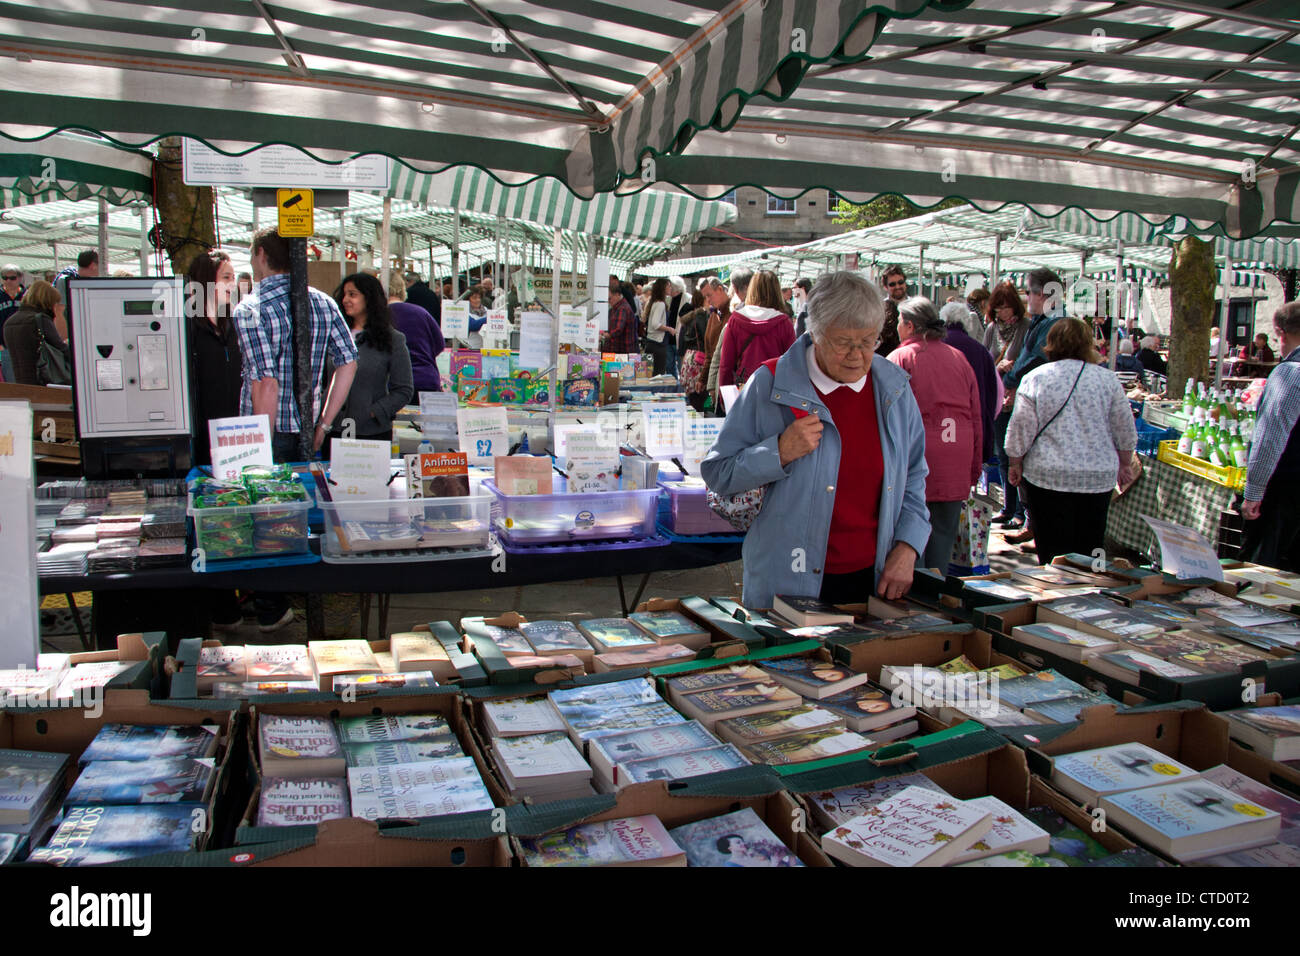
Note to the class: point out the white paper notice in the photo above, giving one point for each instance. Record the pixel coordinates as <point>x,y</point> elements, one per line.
<point>484,433</point>
<point>701,433</point>
<point>455,319</point>
<point>360,470</point>
<point>564,429</point>
<point>237,442</point>
<point>729,395</point>
<point>600,315</point>
<point>591,459</point>
<point>498,325</point>
<point>20,610</point>
<point>1183,552</point>
<point>535,340</point>
<point>438,414</point>
<point>572,323</point>
<point>665,429</point>
<point>590,339</point>
<point>600,281</point>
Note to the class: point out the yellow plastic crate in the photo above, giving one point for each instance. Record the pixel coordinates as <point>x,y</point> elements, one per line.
<point>1228,477</point>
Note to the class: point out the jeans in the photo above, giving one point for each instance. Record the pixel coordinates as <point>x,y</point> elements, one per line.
<point>943,534</point>
<point>658,352</point>
<point>670,364</point>
<point>1271,539</point>
<point>1066,522</point>
<point>1012,505</point>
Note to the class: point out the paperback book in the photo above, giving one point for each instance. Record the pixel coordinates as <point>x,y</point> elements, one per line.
<point>774,724</point>
<point>299,747</point>
<point>630,841</point>
<point>671,627</point>
<point>1067,642</point>
<point>1090,774</point>
<point>608,751</point>
<point>694,763</point>
<point>521,716</point>
<point>128,831</point>
<point>804,611</point>
<point>801,748</point>
<point>832,808</point>
<point>287,662</point>
<point>29,781</point>
<point>867,708</point>
<point>1272,732</point>
<point>360,730</point>
<point>608,634</point>
<point>391,752</point>
<point>305,802</point>
<point>147,741</point>
<point>915,827</point>
<point>179,780</point>
<point>734,839</point>
<point>810,677</point>
<point>1010,832</point>
<point>739,700</point>
<point>1192,819</point>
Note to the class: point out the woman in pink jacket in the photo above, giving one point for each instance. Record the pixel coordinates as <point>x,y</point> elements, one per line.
<point>945,390</point>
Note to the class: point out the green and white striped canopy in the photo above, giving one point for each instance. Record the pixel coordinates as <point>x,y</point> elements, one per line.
<point>67,166</point>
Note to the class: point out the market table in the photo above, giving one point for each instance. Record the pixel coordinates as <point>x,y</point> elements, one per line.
<point>1172,494</point>
<point>404,578</point>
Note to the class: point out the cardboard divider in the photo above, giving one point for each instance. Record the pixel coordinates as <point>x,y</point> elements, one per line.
<point>70,730</point>
<point>929,649</point>
<point>433,833</point>
<point>356,842</point>
<point>1273,773</point>
<point>145,651</point>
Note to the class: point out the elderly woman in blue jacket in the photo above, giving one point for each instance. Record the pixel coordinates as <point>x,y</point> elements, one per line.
<point>833,433</point>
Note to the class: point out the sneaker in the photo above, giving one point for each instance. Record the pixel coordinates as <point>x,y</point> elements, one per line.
<point>286,619</point>
<point>230,628</point>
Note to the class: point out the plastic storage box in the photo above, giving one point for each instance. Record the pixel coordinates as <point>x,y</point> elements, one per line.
<point>271,530</point>
<point>406,529</point>
<point>688,509</point>
<point>561,517</point>
<point>1230,477</point>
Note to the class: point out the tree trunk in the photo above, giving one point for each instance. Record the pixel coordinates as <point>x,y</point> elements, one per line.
<point>1191,301</point>
<point>185,213</point>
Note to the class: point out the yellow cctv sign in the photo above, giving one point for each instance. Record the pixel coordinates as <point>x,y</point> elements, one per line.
<point>295,208</point>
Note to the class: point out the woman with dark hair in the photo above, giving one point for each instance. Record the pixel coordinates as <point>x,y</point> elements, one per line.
<point>657,328</point>
<point>1008,324</point>
<point>691,326</point>
<point>216,365</point>
<point>1071,437</point>
<point>383,385</point>
<point>948,396</point>
<point>477,317</point>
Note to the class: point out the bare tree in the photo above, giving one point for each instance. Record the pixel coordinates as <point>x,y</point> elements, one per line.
<point>185,213</point>
<point>1191,300</point>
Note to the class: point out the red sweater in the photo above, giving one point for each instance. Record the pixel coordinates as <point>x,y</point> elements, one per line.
<point>851,545</point>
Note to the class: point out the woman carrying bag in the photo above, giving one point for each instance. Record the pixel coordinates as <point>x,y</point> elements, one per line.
<point>1071,436</point>
<point>691,326</point>
<point>35,335</point>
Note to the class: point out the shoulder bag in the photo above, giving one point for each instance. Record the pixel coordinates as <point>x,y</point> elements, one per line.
<point>51,361</point>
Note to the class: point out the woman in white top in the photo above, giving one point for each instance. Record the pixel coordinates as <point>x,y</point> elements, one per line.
<point>1071,436</point>
<point>656,325</point>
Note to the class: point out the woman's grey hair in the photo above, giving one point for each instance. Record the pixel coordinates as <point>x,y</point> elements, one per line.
<point>924,317</point>
<point>957,313</point>
<point>1151,342</point>
<point>845,300</point>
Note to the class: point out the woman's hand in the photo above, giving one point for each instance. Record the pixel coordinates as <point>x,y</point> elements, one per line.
<point>896,579</point>
<point>802,437</point>
<point>1127,470</point>
<point>1005,365</point>
<point>1014,470</point>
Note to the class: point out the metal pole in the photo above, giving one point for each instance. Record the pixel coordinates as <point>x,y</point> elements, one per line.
<point>455,254</point>
<point>997,260</point>
<point>1115,320</point>
<point>104,269</point>
<point>359,244</point>
<point>934,283</point>
<point>343,248</point>
<point>920,268</point>
<point>386,242</point>
<point>556,248</point>
<point>144,240</point>
<point>1223,320</point>
<point>496,260</point>
<point>303,387</point>
<point>54,248</point>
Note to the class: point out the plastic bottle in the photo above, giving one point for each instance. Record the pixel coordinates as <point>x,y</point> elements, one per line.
<point>1185,441</point>
<point>1200,447</point>
<point>1240,456</point>
<point>1189,399</point>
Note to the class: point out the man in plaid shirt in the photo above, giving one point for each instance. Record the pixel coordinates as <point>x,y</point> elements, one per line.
<point>265,326</point>
<point>1272,499</point>
<point>621,337</point>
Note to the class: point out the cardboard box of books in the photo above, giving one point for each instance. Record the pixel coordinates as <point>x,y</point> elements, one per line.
<point>351,842</point>
<point>128,777</point>
<point>1063,577</point>
<point>1264,742</point>
<point>968,784</point>
<point>742,819</point>
<point>69,680</point>
<point>1161,640</point>
<point>406,758</point>
<point>1162,776</point>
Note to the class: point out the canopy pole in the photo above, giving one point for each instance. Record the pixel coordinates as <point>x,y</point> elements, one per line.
<point>934,283</point>
<point>496,260</point>
<point>103,237</point>
<point>997,261</point>
<point>1223,320</point>
<point>343,247</point>
<point>54,248</point>
<point>920,268</point>
<point>144,241</point>
<point>1114,325</point>
<point>386,242</point>
<point>455,253</point>
<point>504,278</point>
<point>555,329</point>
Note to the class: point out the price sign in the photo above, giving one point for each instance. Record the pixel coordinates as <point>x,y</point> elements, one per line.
<point>572,326</point>
<point>665,429</point>
<point>1183,552</point>
<point>20,611</point>
<point>535,340</point>
<point>701,433</point>
<point>438,414</point>
<point>484,433</point>
<point>237,442</point>
<point>455,319</point>
<point>360,469</point>
<point>589,338</point>
<point>591,459</point>
<point>498,326</point>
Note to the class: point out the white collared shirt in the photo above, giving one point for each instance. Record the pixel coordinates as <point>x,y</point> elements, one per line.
<point>823,382</point>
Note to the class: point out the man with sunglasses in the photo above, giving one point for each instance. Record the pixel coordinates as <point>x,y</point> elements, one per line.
<point>895,282</point>
<point>11,294</point>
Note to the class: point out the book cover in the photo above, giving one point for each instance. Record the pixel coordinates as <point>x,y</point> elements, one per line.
<point>715,679</point>
<point>1015,858</point>
<point>360,730</point>
<point>643,657</point>
<point>1273,732</point>
<point>1168,815</point>
<point>541,755</point>
<point>289,662</point>
<point>467,362</point>
<point>522,475</point>
<point>805,610</point>
<point>463,797</point>
<point>166,780</point>
<point>1064,710</point>
<point>1009,832</point>
<point>1066,641</point>
<point>421,775</point>
<point>1246,616</point>
<point>726,701</point>
<point>146,741</point>
<point>678,766</point>
<point>778,723</point>
<point>28,780</point>
<point>1201,597</point>
<point>867,706</point>
<point>1118,767</point>
<point>733,839</point>
<point>1254,791</point>
<point>812,677</point>
<point>915,827</point>
<point>1020,692</point>
<point>585,725</point>
<point>835,807</point>
<point>644,743</point>
<point>287,803</point>
<point>342,657</point>
<point>520,716</point>
<point>635,690</point>
<point>508,640</point>
<point>299,737</point>
<point>545,636</point>
<point>666,624</point>
<point>220,663</point>
<point>145,829</point>
<point>82,677</point>
<point>814,745</point>
<point>622,842</point>
<point>389,752</point>
<point>1003,591</point>
<point>614,633</point>
<point>1131,663</point>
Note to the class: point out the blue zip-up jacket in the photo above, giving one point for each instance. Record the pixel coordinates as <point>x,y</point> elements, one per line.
<point>1031,353</point>
<point>797,506</point>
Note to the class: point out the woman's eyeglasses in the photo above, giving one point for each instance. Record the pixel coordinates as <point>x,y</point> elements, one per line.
<point>842,348</point>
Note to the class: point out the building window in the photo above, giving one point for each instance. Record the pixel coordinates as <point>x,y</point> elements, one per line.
<point>728,197</point>
<point>832,204</point>
<point>780,207</point>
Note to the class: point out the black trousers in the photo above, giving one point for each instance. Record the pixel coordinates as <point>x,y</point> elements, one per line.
<point>1066,522</point>
<point>852,588</point>
<point>1273,537</point>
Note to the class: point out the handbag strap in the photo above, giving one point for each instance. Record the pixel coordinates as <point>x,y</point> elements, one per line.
<point>1059,410</point>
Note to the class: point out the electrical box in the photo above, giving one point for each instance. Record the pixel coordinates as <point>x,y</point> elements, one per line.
<point>130,374</point>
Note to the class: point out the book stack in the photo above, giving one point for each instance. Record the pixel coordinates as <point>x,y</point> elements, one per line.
<point>110,834</point>
<point>640,658</point>
<point>330,659</point>
<point>593,710</point>
<point>914,827</point>
<point>658,753</point>
<point>1272,732</point>
<point>542,767</point>
<point>31,783</point>
<point>1176,811</point>
<point>733,839</point>
<point>220,663</point>
<point>628,841</point>
<point>558,638</point>
<point>307,802</point>
<point>610,634</point>
<point>671,627</point>
<point>736,691</point>
<point>421,651</point>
